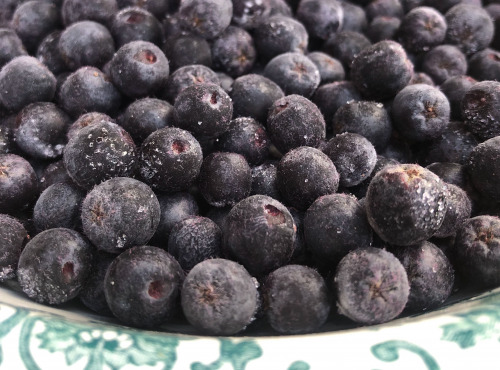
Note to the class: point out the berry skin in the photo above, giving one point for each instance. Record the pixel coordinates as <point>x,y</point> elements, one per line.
<point>219,297</point>
<point>142,286</point>
<point>330,69</point>
<point>225,179</point>
<point>139,68</point>
<point>246,137</point>
<point>430,274</point>
<point>421,29</point>
<point>186,50</point>
<point>381,70</point>
<point>99,152</point>
<point>296,299</point>
<point>250,14</point>
<point>368,119</point>
<point>233,51</point>
<point>85,120</point>
<point>170,159</point>
<point>264,180</point>
<point>13,237</point>
<point>345,46</point>
<point>33,20</point>
<point>55,173</point>
<point>253,95</point>
<point>420,112</point>
<point>92,293</point>
<point>304,174</point>
<point>21,72</point>
<point>173,209</point>
<point>485,65</point>
<point>86,43</point>
<point>203,109</point>
<point>371,286</point>
<point>41,130</point>
<point>354,157</point>
<point>120,213</point>
<point>455,88</point>
<point>58,206</point>
<point>48,53</point>
<point>206,18</point>
<point>134,24</point>
<point>295,121</point>
<point>18,183</point>
<point>194,240</point>
<point>54,265</point>
<point>469,27</point>
<point>334,225</point>
<point>321,18</point>
<point>479,107</point>
<point>458,209</point>
<point>185,77</point>
<point>294,73</point>
<point>383,28</point>
<point>11,46</point>
<point>482,167</point>
<point>145,116</point>
<point>406,204</point>
<point>101,11</point>
<point>443,62</point>
<point>259,232</point>
<point>280,34</point>
<point>88,90</point>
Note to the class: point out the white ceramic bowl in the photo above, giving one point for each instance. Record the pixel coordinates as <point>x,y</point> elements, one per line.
<point>464,334</point>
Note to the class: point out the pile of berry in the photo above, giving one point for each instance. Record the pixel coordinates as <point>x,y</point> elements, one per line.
<point>223,161</point>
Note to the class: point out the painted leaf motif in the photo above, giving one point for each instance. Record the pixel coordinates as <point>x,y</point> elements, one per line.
<point>473,326</point>
<point>236,354</point>
<point>389,351</point>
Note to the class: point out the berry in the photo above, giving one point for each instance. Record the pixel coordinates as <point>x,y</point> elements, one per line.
<point>13,237</point>
<point>304,174</point>
<point>170,159</point>
<point>194,240</point>
<point>219,297</point>
<point>18,183</point>
<point>142,286</point>
<point>443,62</point>
<point>321,18</point>
<point>54,265</point>
<point>135,24</point>
<point>482,165</point>
<point>206,18</point>
<point>296,299</point>
<point>371,286</point>
<point>406,204</point>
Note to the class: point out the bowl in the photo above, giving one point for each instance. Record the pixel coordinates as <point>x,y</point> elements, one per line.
<point>463,334</point>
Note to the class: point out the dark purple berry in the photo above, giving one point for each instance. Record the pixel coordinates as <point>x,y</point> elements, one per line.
<point>482,168</point>
<point>295,121</point>
<point>88,90</point>
<point>406,204</point>
<point>204,109</point>
<point>330,69</point>
<point>383,28</point>
<point>86,43</point>
<point>321,18</point>
<point>58,206</point>
<point>371,286</point>
<point>476,251</point>
<point>334,225</point>
<point>11,46</point>
<point>194,240</point>
<point>219,297</point>
<point>259,232</point>
<point>99,152</point>
<point>206,18</point>
<point>249,14</point>
<point>420,112</point>
<point>305,174</point>
<point>485,65</point>
<point>253,95</point>
<point>246,137</point>
<point>296,299</point>
<point>18,183</point>
<point>139,68</point>
<point>345,46</point>
<point>101,11</point>
<point>120,213</point>
<point>430,274</point>
<point>21,72</point>
<point>13,237</point>
<point>170,159</point>
<point>264,180</point>
<point>381,70</point>
<point>142,286</point>
<point>354,157</point>
<point>41,130</point>
<point>48,53</point>
<point>225,179</point>
<point>443,62</point>
<point>134,24</point>
<point>458,209</point>
<point>54,265</point>
<point>186,50</point>
<point>455,88</point>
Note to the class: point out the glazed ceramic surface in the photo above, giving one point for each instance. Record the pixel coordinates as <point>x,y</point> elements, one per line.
<point>462,335</point>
